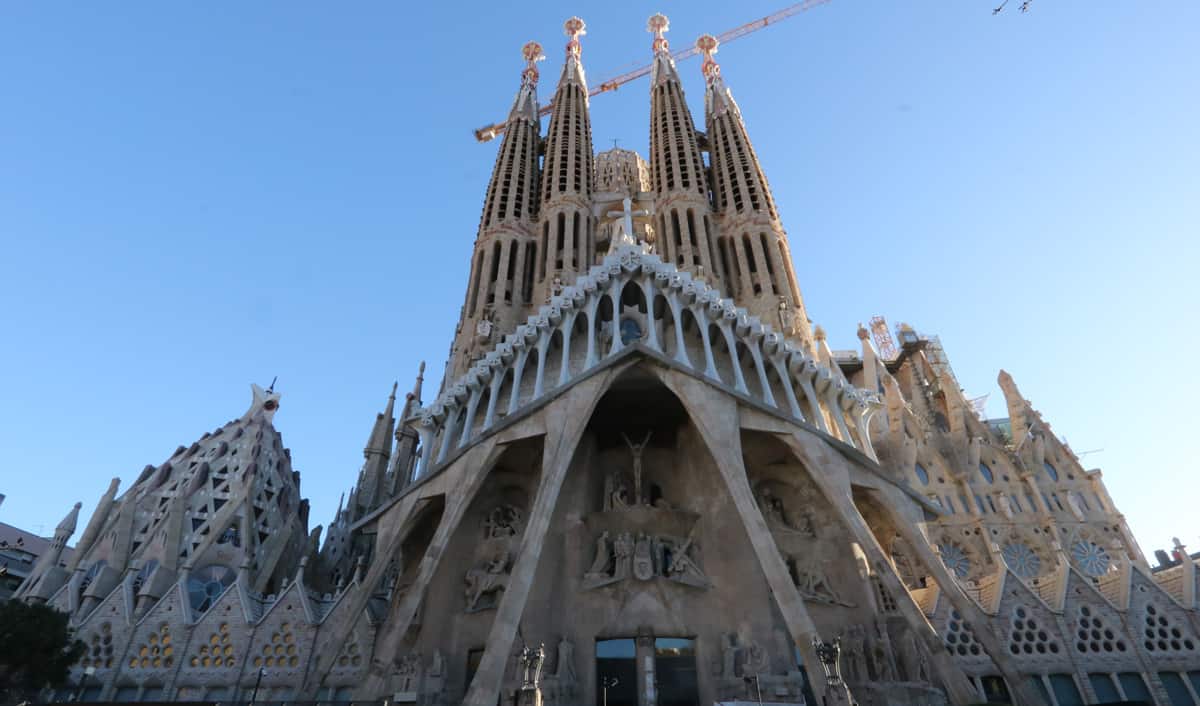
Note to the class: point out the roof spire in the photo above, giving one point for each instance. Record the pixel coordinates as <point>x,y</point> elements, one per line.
<point>575,28</point>
<point>707,44</point>
<point>532,51</point>
<point>525,104</point>
<point>573,67</point>
<point>658,24</point>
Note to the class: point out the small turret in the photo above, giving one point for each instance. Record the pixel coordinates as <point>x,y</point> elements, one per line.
<point>47,576</point>
<point>404,461</point>
<point>376,454</point>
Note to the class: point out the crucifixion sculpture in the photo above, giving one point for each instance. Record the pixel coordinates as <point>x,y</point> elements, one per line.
<point>637,450</point>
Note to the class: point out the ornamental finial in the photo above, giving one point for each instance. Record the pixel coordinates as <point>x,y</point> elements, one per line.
<point>575,28</point>
<point>707,44</point>
<point>658,24</point>
<point>532,51</point>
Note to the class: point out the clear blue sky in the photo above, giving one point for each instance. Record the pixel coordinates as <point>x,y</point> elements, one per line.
<point>194,196</point>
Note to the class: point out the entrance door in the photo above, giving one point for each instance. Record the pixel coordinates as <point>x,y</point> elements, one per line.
<point>675,671</point>
<point>616,672</point>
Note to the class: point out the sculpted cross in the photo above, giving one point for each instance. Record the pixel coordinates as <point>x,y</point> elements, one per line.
<point>627,213</point>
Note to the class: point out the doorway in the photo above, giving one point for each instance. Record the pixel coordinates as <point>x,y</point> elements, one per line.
<point>675,671</point>
<point>616,672</point>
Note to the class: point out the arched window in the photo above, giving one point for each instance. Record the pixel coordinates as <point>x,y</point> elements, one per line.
<point>986,472</point>
<point>922,474</point>
<point>1051,471</point>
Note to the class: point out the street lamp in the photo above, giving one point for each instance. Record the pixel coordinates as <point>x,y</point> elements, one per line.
<point>607,683</point>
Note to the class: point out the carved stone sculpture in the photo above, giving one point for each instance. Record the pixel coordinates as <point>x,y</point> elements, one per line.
<point>408,674</point>
<point>643,562</point>
<point>623,548</point>
<point>565,669</point>
<point>813,584</point>
<point>854,639</point>
<point>637,450</point>
<point>485,580</point>
<point>881,654</point>
<point>602,565</point>
<point>502,521</point>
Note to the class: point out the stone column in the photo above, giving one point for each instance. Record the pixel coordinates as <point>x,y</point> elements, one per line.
<point>822,465</point>
<point>716,416</point>
<point>477,462</point>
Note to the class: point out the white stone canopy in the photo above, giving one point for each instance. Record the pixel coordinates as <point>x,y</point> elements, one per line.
<point>675,317</point>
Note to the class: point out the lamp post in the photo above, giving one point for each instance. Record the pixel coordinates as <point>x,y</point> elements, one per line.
<point>607,683</point>
<point>89,671</point>
<point>262,672</point>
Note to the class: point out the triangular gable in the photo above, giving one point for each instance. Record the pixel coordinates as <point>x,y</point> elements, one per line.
<point>157,641</point>
<point>679,319</point>
<point>1096,628</point>
<point>105,633</point>
<point>1164,628</point>
<point>283,640</point>
<point>1029,628</point>
<point>354,656</point>
<point>220,639</point>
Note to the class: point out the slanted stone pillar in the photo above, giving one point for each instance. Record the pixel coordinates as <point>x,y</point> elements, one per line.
<point>829,470</point>
<point>716,416</point>
<point>575,409</point>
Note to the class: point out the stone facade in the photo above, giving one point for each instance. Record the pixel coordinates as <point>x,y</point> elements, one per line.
<point>646,479</point>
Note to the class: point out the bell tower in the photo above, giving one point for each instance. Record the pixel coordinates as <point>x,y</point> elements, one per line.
<point>566,228</point>
<point>756,261</point>
<point>500,290</point>
<point>683,218</point>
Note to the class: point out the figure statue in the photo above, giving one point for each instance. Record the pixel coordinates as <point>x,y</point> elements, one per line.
<point>408,673</point>
<point>492,578</point>
<point>729,655</point>
<point>602,564</point>
<point>637,450</point>
<point>813,584</point>
<point>565,669</point>
<point>884,658</point>
<point>856,661</point>
<point>643,562</point>
<point>777,516</point>
<point>502,521</point>
<point>623,548</point>
<point>616,493</point>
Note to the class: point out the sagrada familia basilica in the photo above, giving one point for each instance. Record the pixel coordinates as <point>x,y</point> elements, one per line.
<point>646,480</point>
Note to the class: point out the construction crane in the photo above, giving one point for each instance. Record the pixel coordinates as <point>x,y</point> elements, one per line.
<point>490,132</point>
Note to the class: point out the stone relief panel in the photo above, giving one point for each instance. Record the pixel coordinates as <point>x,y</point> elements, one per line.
<point>640,535</point>
<point>500,538</point>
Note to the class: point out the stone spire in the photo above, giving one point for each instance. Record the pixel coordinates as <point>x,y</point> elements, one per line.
<point>47,575</point>
<point>756,261</point>
<point>404,460</point>
<point>376,454</point>
<point>500,289</point>
<point>684,224</point>
<point>566,229</point>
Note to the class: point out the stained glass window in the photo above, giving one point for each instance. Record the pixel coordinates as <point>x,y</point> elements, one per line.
<point>1023,561</point>
<point>1090,558</point>
<point>955,559</point>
